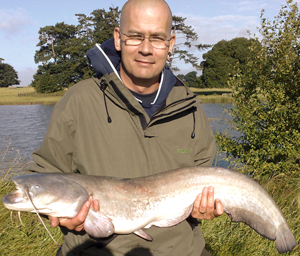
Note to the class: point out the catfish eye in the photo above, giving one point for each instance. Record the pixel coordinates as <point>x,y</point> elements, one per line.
<point>37,186</point>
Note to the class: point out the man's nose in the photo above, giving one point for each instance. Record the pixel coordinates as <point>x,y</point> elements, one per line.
<point>146,46</point>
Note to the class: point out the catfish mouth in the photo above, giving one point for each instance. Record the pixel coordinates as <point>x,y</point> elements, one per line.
<point>15,197</point>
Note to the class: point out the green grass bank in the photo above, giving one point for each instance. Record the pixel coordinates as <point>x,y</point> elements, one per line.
<point>27,96</point>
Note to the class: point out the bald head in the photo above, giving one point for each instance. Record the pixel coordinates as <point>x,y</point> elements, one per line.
<point>142,63</point>
<point>145,5</point>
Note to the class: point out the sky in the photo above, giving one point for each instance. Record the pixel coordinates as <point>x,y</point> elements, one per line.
<point>213,20</point>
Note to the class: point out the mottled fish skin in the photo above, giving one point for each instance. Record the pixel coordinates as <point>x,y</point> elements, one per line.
<point>163,200</point>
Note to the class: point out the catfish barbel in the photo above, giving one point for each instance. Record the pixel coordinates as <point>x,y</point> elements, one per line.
<point>162,200</point>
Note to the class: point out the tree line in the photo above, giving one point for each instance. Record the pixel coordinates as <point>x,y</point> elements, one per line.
<point>62,48</point>
<point>62,53</point>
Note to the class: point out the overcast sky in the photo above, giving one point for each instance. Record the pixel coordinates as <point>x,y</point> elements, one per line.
<point>213,20</point>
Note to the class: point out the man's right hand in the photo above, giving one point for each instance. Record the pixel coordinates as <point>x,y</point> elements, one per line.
<point>76,223</point>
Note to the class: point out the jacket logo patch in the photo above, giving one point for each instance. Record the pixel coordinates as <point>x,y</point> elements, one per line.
<point>184,151</point>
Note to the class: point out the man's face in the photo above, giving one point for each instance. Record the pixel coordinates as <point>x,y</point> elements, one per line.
<point>143,63</point>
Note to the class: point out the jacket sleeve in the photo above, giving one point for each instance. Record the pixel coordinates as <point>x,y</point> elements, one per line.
<point>56,151</point>
<point>206,145</point>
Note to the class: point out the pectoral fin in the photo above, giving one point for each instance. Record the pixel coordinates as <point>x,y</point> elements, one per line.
<point>98,225</point>
<point>142,234</point>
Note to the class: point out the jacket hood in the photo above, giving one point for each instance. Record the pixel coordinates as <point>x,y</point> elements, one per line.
<point>105,59</point>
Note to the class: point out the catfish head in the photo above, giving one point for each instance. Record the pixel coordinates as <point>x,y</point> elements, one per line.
<point>50,194</point>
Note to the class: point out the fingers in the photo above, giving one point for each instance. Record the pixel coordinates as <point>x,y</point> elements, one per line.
<point>76,223</point>
<point>218,208</point>
<point>54,221</point>
<point>203,203</point>
<point>210,203</point>
<point>205,207</point>
<point>95,205</point>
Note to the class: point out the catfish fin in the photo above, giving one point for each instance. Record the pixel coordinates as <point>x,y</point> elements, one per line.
<point>142,234</point>
<point>285,240</point>
<point>98,225</point>
<point>265,228</point>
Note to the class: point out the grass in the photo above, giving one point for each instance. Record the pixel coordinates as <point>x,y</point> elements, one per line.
<point>26,95</point>
<point>15,239</point>
<point>213,95</point>
<point>28,240</point>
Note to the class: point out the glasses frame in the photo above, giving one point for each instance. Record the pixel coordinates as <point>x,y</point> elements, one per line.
<point>143,39</point>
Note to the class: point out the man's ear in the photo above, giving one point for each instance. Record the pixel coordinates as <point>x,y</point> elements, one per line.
<point>172,42</point>
<point>117,39</point>
<point>170,50</point>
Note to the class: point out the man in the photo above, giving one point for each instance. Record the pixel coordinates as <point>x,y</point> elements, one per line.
<point>135,119</point>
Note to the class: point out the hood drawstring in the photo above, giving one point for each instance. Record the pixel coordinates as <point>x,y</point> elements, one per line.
<point>108,116</point>
<point>194,109</point>
<point>102,87</point>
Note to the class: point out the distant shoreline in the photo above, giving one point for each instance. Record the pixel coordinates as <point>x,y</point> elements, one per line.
<point>28,96</point>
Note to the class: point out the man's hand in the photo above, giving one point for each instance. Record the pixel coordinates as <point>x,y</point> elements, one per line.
<point>205,207</point>
<point>76,223</point>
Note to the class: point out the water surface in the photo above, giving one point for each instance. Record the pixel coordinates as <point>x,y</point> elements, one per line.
<point>22,127</point>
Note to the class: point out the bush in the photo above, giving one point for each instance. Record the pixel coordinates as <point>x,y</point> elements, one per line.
<point>270,129</point>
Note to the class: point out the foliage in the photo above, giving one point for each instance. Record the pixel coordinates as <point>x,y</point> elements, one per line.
<point>270,129</point>
<point>221,58</point>
<point>185,36</point>
<point>8,75</point>
<point>191,79</point>
<point>63,47</point>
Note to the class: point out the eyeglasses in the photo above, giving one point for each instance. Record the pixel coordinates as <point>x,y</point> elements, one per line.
<point>137,39</point>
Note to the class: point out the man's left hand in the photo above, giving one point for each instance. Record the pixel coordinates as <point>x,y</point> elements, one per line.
<point>205,207</point>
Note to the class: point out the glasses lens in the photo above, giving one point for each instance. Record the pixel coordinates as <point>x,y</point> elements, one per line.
<point>159,44</point>
<point>133,41</point>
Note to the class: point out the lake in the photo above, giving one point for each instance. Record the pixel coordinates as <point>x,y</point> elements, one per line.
<point>22,128</point>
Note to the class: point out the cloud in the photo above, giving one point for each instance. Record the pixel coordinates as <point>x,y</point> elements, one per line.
<point>212,30</point>
<point>217,28</point>
<point>26,76</point>
<point>246,6</point>
<point>13,21</point>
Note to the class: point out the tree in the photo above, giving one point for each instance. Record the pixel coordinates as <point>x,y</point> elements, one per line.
<point>63,47</point>
<point>185,36</point>
<point>219,61</point>
<point>190,79</point>
<point>58,54</point>
<point>8,75</point>
<point>270,128</point>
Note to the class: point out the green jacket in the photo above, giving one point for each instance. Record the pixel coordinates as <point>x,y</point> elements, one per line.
<point>81,139</point>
